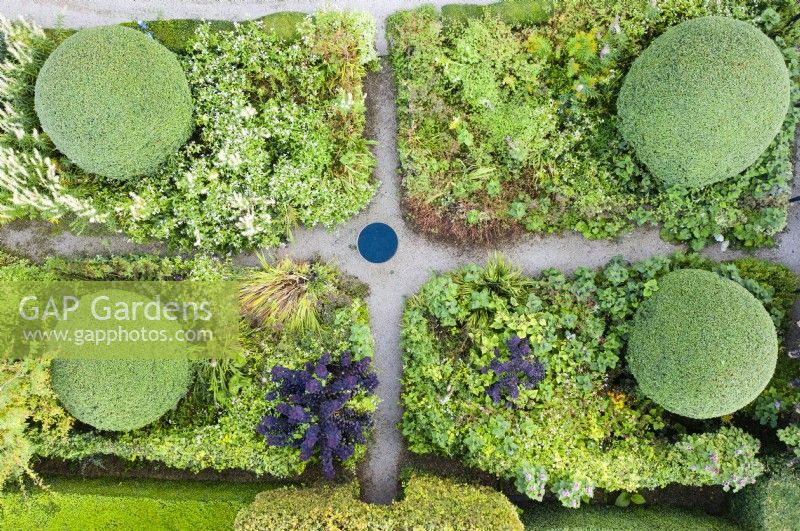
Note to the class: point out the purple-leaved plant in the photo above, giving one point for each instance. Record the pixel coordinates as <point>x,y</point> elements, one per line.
<point>520,370</point>
<point>312,409</point>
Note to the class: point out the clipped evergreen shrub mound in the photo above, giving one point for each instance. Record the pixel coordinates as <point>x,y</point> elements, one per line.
<point>552,517</point>
<point>114,101</point>
<point>429,502</point>
<point>515,13</point>
<point>704,101</point>
<point>119,395</point>
<point>773,503</point>
<point>702,346</point>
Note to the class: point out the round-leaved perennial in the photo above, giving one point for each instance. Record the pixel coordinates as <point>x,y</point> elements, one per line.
<point>702,346</point>
<point>119,395</point>
<point>114,101</point>
<point>704,101</point>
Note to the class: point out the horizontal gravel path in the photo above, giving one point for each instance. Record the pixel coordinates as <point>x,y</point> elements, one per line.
<point>82,13</point>
<point>416,258</point>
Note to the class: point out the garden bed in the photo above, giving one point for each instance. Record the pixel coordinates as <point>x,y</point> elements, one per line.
<point>509,125</point>
<point>528,379</point>
<point>231,417</point>
<point>277,122</point>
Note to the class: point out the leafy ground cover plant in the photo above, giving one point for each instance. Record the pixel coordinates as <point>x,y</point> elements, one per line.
<point>278,139</point>
<point>586,424</point>
<point>507,127</point>
<point>779,405</point>
<point>215,424</point>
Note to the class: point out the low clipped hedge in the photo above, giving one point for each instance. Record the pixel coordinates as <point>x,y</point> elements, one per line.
<point>96,504</point>
<point>704,101</point>
<point>114,101</point>
<point>119,395</point>
<point>593,517</point>
<point>512,12</point>
<point>429,502</point>
<point>702,346</point>
<point>773,503</point>
<point>178,34</point>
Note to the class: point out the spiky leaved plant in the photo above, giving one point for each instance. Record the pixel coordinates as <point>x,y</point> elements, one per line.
<point>498,280</point>
<point>287,294</point>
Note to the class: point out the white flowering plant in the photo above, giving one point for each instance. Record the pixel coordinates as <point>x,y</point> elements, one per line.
<point>278,140</point>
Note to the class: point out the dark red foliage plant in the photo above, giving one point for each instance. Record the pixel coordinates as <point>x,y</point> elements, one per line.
<point>311,410</point>
<point>520,370</point>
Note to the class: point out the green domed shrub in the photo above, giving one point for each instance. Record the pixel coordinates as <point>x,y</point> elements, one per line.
<point>702,346</point>
<point>114,101</point>
<point>704,101</point>
<point>119,395</point>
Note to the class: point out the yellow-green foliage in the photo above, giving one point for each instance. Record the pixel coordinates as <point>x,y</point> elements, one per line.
<point>551,517</point>
<point>95,504</point>
<point>512,12</point>
<point>213,427</point>
<point>702,346</point>
<point>178,34</point>
<point>25,396</point>
<point>287,294</point>
<point>429,503</point>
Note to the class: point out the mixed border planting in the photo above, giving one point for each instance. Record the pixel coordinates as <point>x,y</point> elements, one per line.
<point>429,502</point>
<point>568,384</point>
<point>239,412</point>
<point>598,117</point>
<point>247,132</point>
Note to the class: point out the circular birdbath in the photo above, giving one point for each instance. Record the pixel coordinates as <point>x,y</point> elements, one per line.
<point>377,242</point>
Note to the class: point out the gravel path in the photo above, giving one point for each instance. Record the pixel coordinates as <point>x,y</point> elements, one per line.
<point>81,13</point>
<point>416,258</point>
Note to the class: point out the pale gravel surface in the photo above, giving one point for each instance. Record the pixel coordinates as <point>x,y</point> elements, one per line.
<point>82,13</point>
<point>416,258</point>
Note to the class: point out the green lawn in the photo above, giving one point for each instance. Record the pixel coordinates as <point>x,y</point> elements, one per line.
<point>130,504</point>
<point>592,517</point>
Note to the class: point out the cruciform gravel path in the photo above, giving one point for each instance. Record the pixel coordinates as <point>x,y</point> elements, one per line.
<point>390,283</point>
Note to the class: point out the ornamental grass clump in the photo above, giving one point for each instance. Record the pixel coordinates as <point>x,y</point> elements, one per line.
<point>704,101</point>
<point>702,346</point>
<point>325,405</point>
<point>114,101</point>
<point>286,295</point>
